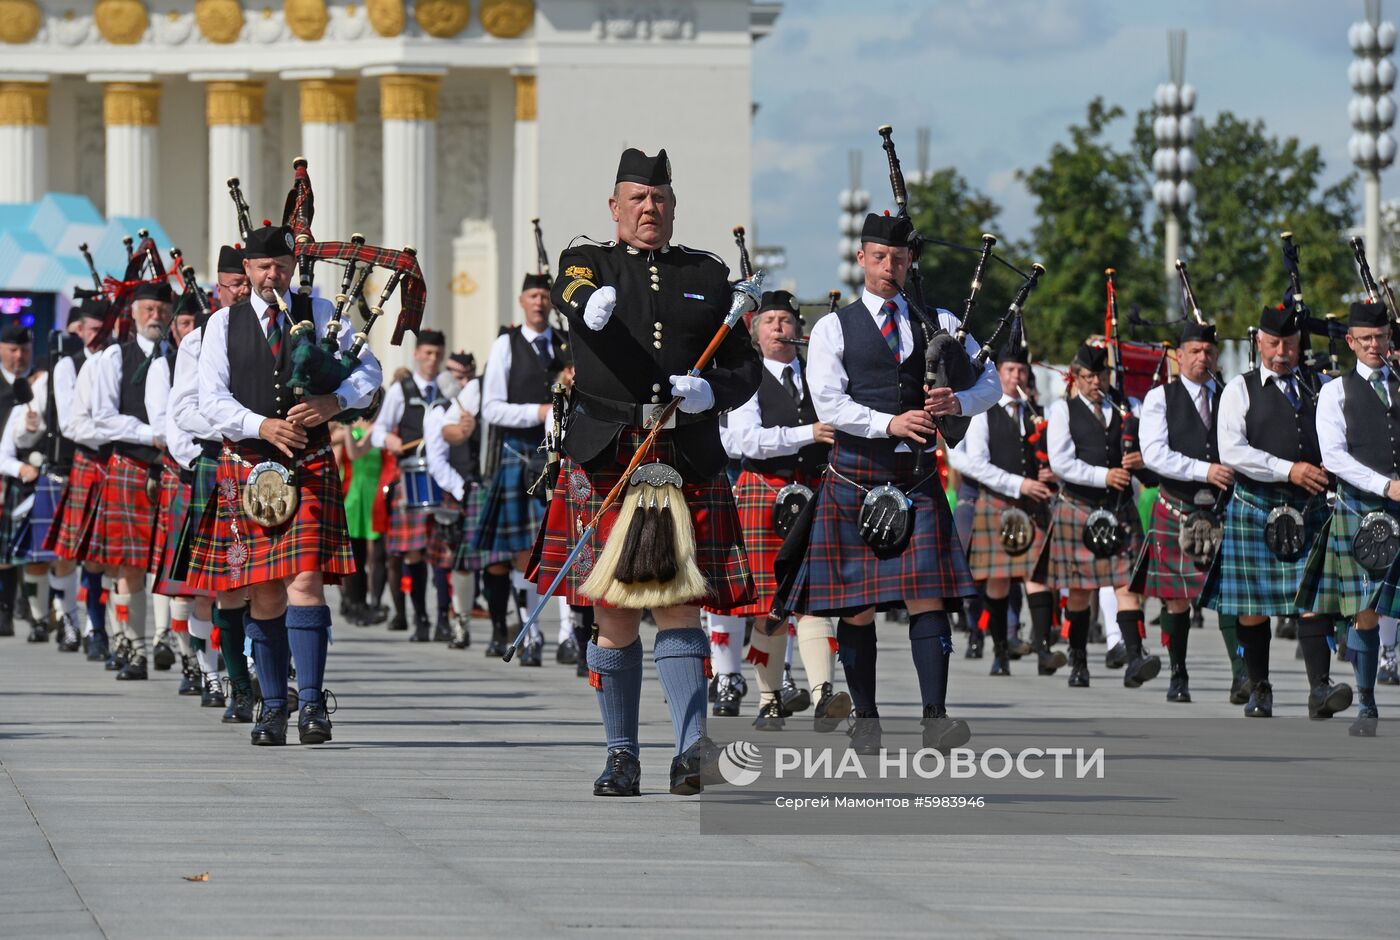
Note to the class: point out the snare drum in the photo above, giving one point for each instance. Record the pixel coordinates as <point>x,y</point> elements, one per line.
<point>417,486</point>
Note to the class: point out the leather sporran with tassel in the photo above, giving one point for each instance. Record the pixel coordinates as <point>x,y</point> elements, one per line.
<point>649,558</point>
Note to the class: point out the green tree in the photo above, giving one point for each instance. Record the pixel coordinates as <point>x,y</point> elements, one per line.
<point>1251,187</point>
<point>1092,199</point>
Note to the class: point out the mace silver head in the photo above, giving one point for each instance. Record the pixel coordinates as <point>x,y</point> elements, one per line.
<point>746,296</point>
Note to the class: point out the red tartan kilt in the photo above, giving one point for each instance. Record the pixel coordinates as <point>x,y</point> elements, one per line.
<point>408,527</point>
<point>126,516</point>
<point>987,557</point>
<point>76,515</point>
<point>754,495</point>
<point>719,542</point>
<point>169,491</point>
<point>1170,573</point>
<point>175,497</point>
<point>314,539</point>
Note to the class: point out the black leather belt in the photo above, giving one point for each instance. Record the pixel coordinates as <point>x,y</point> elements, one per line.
<point>99,454</point>
<point>628,413</point>
<point>210,449</point>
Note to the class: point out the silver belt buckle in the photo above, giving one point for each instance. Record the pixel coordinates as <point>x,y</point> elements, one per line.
<point>655,413</point>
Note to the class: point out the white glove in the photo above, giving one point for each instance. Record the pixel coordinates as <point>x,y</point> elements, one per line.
<point>694,392</point>
<point>600,308</point>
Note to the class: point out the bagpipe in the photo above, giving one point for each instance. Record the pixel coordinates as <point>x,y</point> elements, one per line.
<point>1377,294</point>
<point>143,266</point>
<point>946,362</point>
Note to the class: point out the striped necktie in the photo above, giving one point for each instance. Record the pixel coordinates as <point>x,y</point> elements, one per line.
<point>274,332</point>
<point>890,328</point>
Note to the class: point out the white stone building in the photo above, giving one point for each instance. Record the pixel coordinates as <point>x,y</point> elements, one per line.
<point>444,124</point>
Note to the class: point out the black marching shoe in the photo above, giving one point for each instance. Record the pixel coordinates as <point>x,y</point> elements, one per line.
<point>1048,660</point>
<point>314,722</point>
<point>1367,718</point>
<point>865,732</point>
<point>1178,688</point>
<point>1015,649</point>
<point>1239,689</point>
<point>134,670</point>
<point>566,654</point>
<point>1141,668</point>
<point>730,691</point>
<point>532,653</point>
<point>942,733</point>
<point>97,648</point>
<point>832,709</point>
<point>271,727</point>
<point>442,630</point>
<point>39,633</point>
<point>189,677</point>
<point>1001,665</point>
<point>1078,669</point>
<point>1261,701</point>
<point>1328,698</point>
<point>211,693</point>
<point>399,623</point>
<point>770,716</point>
<point>7,621</point>
<point>119,655</point>
<point>1117,657</point>
<point>621,776</point>
<point>162,656</point>
<point>497,647</point>
<point>461,633</point>
<point>420,629</point>
<point>696,767</point>
<point>68,639</point>
<point>975,641</point>
<point>240,706</point>
<point>794,699</point>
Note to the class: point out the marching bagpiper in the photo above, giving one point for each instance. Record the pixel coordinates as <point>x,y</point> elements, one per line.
<point>1097,533</point>
<point>283,559</point>
<point>641,312</point>
<point>784,449</point>
<point>1179,444</point>
<point>1353,573</point>
<point>1267,429</point>
<point>1011,521</point>
<point>21,431</point>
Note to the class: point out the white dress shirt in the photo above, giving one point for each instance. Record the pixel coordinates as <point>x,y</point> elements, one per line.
<point>184,420</point>
<point>178,442</point>
<point>494,406</point>
<point>1332,435</point>
<point>974,454</point>
<point>746,433</point>
<point>827,373</point>
<point>1152,434</point>
<point>231,419</point>
<point>13,437</point>
<point>391,410</point>
<point>1063,459</point>
<point>105,404</point>
<point>1235,452</point>
<point>65,380</point>
<point>75,420</point>
<point>435,446</point>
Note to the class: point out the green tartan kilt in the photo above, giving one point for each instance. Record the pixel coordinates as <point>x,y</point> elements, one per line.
<point>1246,578</point>
<point>1335,583</point>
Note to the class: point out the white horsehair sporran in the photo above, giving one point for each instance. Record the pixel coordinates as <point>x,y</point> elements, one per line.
<point>269,495</point>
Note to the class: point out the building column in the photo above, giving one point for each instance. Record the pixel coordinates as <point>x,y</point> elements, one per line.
<point>234,113</point>
<point>24,141</point>
<point>327,142</point>
<point>525,196</point>
<point>131,113</point>
<point>408,107</point>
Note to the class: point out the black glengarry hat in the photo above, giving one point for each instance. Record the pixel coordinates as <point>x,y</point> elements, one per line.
<point>270,241</point>
<point>148,290</point>
<point>1194,332</point>
<point>636,167</point>
<point>1278,321</point>
<point>779,300</point>
<point>230,259</point>
<point>14,333</point>
<point>429,338</point>
<point>1091,358</point>
<point>536,282</point>
<point>1366,314</point>
<point>886,229</point>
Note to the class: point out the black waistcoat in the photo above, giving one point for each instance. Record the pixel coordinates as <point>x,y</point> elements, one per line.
<point>258,382</point>
<point>1373,430</point>
<point>1188,436</point>
<point>529,381</point>
<point>1094,444</point>
<point>1271,425</point>
<point>8,399</point>
<point>777,410</point>
<point>411,421</point>
<point>132,400</point>
<point>873,378</point>
<point>1006,442</point>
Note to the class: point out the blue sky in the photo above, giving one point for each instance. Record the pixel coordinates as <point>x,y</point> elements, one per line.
<point>998,81</point>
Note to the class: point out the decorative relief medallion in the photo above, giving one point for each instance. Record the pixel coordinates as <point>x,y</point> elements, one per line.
<point>668,21</point>
<point>307,19</point>
<point>386,16</point>
<point>442,18</point>
<point>121,22</point>
<point>20,21</point>
<point>221,21</point>
<point>507,19</point>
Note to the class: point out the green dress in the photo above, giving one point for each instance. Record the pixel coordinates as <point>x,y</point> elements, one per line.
<point>364,490</point>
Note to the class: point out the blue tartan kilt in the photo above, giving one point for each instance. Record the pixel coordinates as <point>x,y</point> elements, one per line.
<point>1246,579</point>
<point>1335,583</point>
<point>24,536</point>
<point>511,518</point>
<point>843,573</point>
<point>460,537</point>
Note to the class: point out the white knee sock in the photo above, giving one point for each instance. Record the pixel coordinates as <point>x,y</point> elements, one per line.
<point>1108,610</point>
<point>726,643</point>
<point>461,593</point>
<point>767,663</point>
<point>816,643</point>
<point>179,609</point>
<point>31,592</point>
<point>68,585</point>
<point>160,607</point>
<point>1388,625</point>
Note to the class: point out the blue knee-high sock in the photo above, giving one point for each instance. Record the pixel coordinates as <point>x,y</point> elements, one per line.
<point>618,679</point>
<point>680,665</point>
<point>857,650</point>
<point>308,633</point>
<point>931,640</point>
<point>96,610</point>
<point>1367,646</point>
<point>272,656</point>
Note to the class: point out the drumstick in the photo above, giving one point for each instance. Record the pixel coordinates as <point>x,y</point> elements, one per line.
<point>411,444</point>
